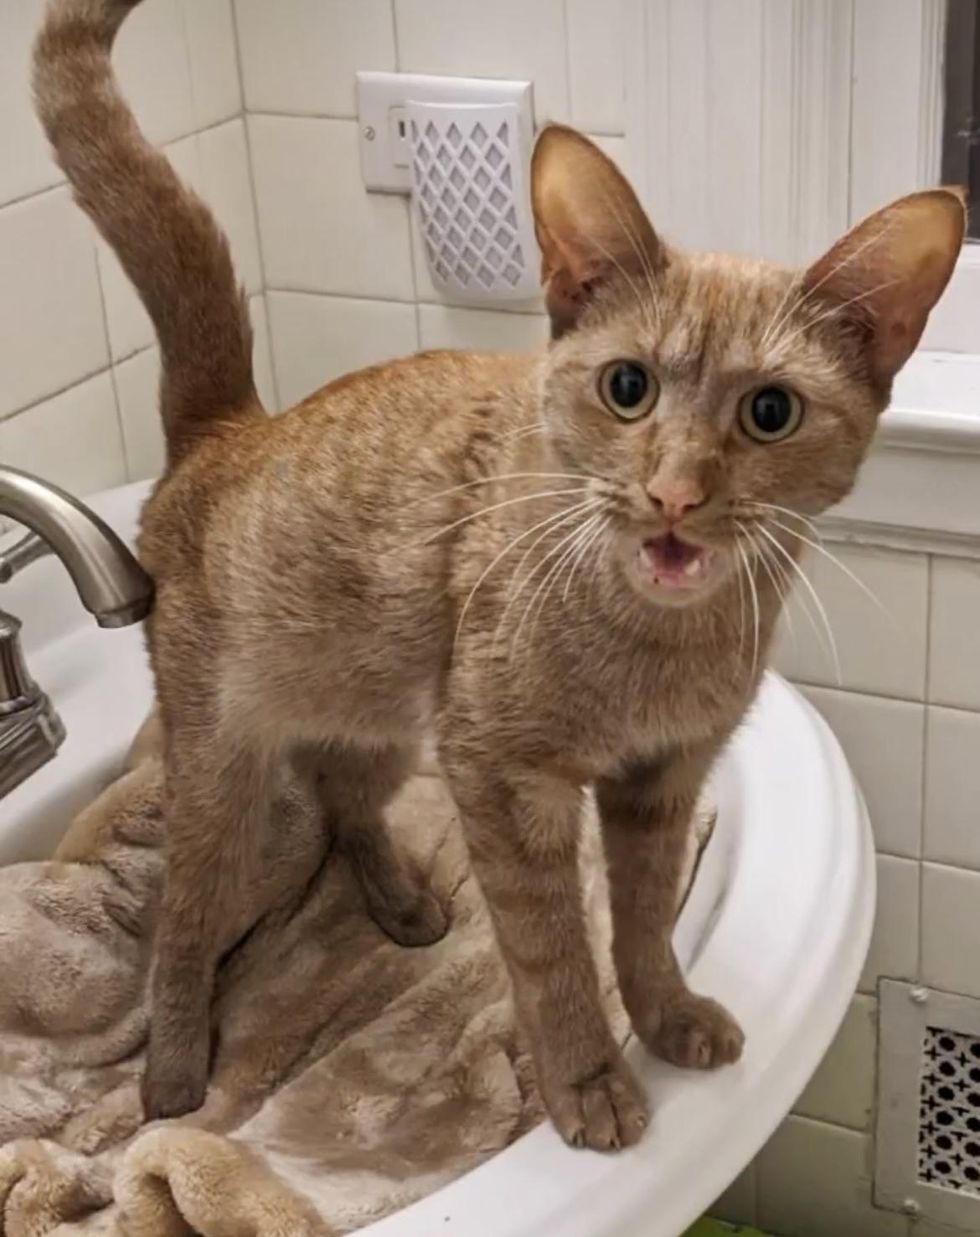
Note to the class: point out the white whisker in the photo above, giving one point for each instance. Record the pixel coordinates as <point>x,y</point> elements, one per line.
<point>813,594</point>
<point>508,502</point>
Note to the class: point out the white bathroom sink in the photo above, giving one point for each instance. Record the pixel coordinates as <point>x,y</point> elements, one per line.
<point>777,927</point>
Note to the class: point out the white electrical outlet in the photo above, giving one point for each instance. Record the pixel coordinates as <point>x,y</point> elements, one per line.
<point>382,113</point>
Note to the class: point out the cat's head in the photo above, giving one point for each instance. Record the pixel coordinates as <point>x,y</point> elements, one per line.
<point>716,396</point>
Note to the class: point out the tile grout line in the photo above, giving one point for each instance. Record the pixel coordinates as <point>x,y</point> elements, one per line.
<point>926,692</point>
<point>112,367</point>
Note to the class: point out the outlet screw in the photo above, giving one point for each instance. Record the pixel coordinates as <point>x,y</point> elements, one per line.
<point>910,1207</point>
<point>918,996</point>
<point>369,133</point>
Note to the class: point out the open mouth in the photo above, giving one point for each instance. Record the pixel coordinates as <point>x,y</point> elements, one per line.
<point>674,563</point>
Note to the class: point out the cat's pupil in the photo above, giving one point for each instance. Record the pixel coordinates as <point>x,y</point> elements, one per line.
<point>771,410</point>
<point>628,385</point>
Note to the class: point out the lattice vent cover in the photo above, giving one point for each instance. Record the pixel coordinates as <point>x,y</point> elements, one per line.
<point>949,1111</point>
<point>470,200</point>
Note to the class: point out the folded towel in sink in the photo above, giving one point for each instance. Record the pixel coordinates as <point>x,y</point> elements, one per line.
<point>351,1076</point>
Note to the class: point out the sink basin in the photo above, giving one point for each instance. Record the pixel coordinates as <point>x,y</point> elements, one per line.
<point>776,925</point>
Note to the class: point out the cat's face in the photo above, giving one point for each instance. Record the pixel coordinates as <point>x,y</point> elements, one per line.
<point>715,400</point>
<point>707,412</point>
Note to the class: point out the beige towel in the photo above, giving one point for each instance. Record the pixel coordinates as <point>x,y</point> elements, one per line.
<point>351,1076</point>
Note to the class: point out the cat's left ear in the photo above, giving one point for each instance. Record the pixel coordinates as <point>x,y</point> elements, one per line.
<point>589,224</point>
<point>889,271</point>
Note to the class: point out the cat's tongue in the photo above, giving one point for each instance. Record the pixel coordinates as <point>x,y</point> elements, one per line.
<point>674,563</point>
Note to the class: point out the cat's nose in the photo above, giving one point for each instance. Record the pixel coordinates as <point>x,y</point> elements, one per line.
<point>676,497</point>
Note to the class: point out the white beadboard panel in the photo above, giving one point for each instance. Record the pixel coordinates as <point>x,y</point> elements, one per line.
<point>441,326</point>
<point>882,650</point>
<point>954,640</point>
<point>737,1204</point>
<point>320,230</point>
<point>137,381</point>
<point>153,65</point>
<point>471,38</point>
<point>26,165</point>
<point>815,1181</point>
<point>129,324</point>
<point>301,57</point>
<point>210,29</point>
<point>318,338</point>
<point>951,929</point>
<point>597,58</point>
<point>265,381</point>
<point>50,309</point>
<point>952,809</point>
<point>883,741</point>
<point>897,50</point>
<point>72,439</point>
<point>894,948</point>
<point>227,188</point>
<point>842,1091</point>
<point>805,127</point>
<point>621,153</point>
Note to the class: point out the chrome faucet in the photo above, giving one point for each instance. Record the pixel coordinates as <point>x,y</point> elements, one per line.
<point>112,587</point>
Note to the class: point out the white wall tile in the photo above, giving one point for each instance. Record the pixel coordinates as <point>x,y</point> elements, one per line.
<point>815,1181</point>
<point>842,1090</point>
<point>321,232</point>
<point>227,188</point>
<point>895,942</point>
<point>213,59</point>
<point>951,929</point>
<point>154,71</point>
<point>441,326</point>
<point>598,62</point>
<point>262,354</point>
<point>301,57</point>
<point>954,639</point>
<point>26,165</point>
<point>880,653</point>
<point>883,740</point>
<point>737,1204</point>
<point>50,311</point>
<point>952,808</point>
<point>129,324</point>
<point>137,380</point>
<point>470,38</point>
<point>73,439</point>
<point>318,338</point>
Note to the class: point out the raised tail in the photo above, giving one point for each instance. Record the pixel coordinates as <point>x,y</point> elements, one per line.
<point>167,240</point>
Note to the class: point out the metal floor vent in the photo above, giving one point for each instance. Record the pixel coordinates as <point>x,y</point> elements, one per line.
<point>949,1111</point>
<point>927,1143</point>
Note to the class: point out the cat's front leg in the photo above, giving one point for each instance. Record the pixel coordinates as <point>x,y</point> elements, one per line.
<point>646,815</point>
<point>522,829</point>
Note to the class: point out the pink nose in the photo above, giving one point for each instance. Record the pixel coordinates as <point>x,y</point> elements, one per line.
<point>675,497</point>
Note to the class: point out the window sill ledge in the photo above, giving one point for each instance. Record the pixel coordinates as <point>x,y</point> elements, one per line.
<point>920,486</point>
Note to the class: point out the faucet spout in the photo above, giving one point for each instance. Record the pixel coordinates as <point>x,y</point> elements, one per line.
<point>112,585</point>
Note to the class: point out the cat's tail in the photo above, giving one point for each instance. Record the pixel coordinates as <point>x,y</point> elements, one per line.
<point>166,238</point>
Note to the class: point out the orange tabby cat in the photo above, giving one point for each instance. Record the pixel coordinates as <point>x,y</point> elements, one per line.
<point>569,561</point>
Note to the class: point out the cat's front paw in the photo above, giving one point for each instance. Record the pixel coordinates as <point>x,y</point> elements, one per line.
<point>695,1032</point>
<point>604,1112</point>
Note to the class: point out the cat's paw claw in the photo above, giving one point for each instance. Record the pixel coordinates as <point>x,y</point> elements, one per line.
<point>605,1113</point>
<point>697,1033</point>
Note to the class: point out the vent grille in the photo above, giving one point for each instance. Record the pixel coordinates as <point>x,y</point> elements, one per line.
<point>949,1111</point>
<point>468,184</point>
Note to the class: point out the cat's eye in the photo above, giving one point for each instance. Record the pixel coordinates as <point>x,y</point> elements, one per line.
<point>770,414</point>
<point>628,389</point>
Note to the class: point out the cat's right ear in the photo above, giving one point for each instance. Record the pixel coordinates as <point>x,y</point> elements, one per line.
<point>589,223</point>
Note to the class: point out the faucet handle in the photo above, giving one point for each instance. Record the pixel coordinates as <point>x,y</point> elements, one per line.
<point>17,689</point>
